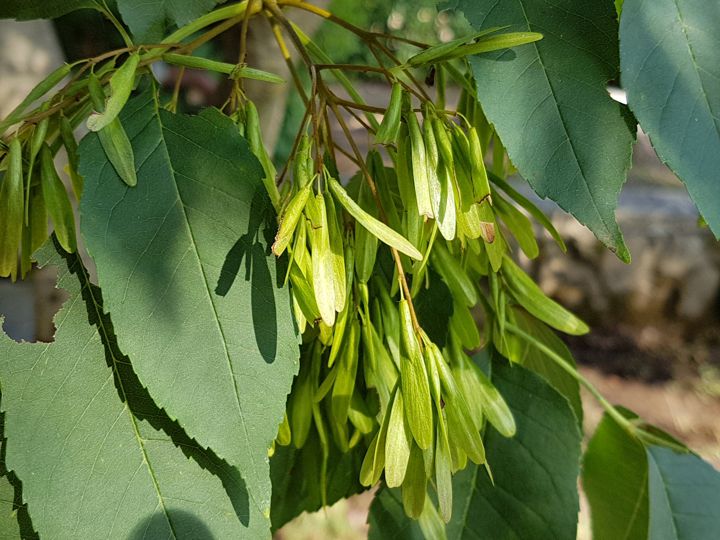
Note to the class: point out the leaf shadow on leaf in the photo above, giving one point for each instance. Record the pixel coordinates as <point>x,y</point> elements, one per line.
<point>255,254</point>
<point>185,525</point>
<point>141,404</point>
<point>25,525</point>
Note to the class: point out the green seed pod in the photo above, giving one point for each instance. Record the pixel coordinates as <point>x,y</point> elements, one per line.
<point>342,320</point>
<point>390,318</point>
<point>389,128</point>
<point>322,261</point>
<point>289,220</point>
<point>121,84</point>
<point>338,334</point>
<point>531,297</point>
<point>303,164</point>
<point>432,357</point>
<point>495,43</point>
<point>119,151</point>
<point>359,414</point>
<point>519,225</point>
<point>494,405</point>
<point>324,449</point>
<point>443,473</point>
<point>418,408</point>
<point>446,215</point>
<point>96,92</point>
<point>42,88</point>
<point>337,252</point>
<point>414,380</point>
<point>494,242</point>
<point>470,224</point>
<point>11,211</point>
<point>326,385</point>
<point>397,444</point>
<point>71,148</point>
<point>366,243</point>
<point>347,371</point>
<point>385,181</point>
<point>303,294</point>
<point>454,275</point>
<point>464,325</point>
<point>374,461</point>
<point>253,133</point>
<point>440,52</point>
<point>432,157</point>
<point>462,168</point>
<point>467,382</point>
<point>36,142</point>
<point>284,436</point>
<point>481,185</point>
<point>403,168</point>
<point>410,345</point>
<point>300,405</point>
<point>377,228</point>
<point>463,431</point>
<point>531,209</point>
<point>442,139</point>
<point>414,488</point>
<point>57,202</point>
<point>419,160</point>
<point>38,220</point>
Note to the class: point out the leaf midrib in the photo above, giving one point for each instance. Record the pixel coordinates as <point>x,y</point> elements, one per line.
<point>666,494</point>
<point>216,317</point>
<point>565,129</point>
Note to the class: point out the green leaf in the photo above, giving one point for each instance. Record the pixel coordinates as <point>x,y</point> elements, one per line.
<point>97,458</point>
<point>535,473</point>
<point>684,496</point>
<point>549,104</point>
<point>186,272</point>
<point>638,492</point>
<point>615,475</point>
<point>41,9</point>
<point>295,476</point>
<point>387,518</point>
<point>668,56</point>
<point>14,519</point>
<point>149,21</point>
<point>534,359</point>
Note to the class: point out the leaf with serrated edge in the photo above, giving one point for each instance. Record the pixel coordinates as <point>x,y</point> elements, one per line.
<point>548,101</point>
<point>96,457</point>
<point>670,70</point>
<point>184,264</point>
